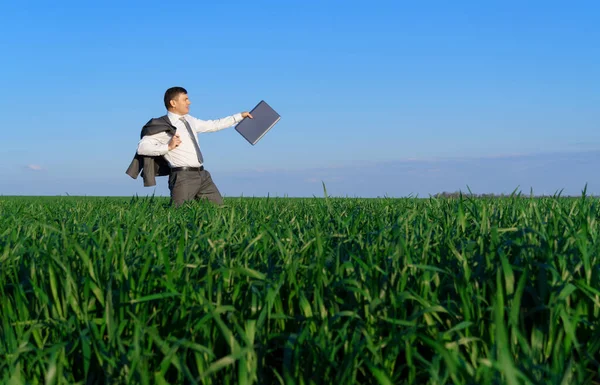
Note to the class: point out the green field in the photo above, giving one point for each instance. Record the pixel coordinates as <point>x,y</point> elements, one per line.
<point>300,291</point>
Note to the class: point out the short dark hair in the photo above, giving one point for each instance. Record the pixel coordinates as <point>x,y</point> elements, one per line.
<point>173,93</point>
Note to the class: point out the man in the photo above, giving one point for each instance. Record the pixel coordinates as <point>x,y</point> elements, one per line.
<point>172,138</point>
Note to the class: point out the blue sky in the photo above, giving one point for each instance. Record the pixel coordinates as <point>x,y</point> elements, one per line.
<point>374,96</point>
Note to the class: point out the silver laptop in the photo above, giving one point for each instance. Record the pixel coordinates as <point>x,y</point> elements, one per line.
<point>264,118</point>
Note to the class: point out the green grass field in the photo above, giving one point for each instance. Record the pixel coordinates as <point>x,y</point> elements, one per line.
<point>300,291</point>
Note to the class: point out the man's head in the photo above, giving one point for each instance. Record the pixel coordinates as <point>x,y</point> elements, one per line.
<point>177,101</point>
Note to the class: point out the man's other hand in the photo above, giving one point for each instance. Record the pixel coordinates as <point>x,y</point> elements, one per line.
<point>246,114</point>
<point>174,142</point>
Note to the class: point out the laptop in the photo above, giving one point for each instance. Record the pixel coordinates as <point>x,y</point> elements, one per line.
<point>263,119</point>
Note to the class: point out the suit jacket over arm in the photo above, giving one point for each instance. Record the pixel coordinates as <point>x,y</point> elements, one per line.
<point>151,166</point>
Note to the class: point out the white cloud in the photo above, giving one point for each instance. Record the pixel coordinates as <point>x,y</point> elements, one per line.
<point>34,167</point>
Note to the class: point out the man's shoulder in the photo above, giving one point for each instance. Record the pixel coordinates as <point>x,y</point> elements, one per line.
<point>190,118</point>
<point>161,120</point>
<point>158,125</point>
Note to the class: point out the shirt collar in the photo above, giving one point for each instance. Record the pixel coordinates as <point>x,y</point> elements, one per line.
<point>173,117</point>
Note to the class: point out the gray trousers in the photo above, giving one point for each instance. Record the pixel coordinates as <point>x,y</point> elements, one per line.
<point>193,185</point>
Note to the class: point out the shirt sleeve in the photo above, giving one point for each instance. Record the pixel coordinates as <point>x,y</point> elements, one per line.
<point>217,124</point>
<point>154,145</point>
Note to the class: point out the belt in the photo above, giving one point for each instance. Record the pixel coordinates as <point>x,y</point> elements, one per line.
<point>201,168</point>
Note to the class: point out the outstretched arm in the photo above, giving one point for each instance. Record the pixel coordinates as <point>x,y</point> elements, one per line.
<point>218,124</point>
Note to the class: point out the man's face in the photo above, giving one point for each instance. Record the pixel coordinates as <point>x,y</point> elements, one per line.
<point>181,104</point>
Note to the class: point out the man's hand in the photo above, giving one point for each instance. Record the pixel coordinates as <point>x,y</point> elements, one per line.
<point>246,114</point>
<point>174,142</point>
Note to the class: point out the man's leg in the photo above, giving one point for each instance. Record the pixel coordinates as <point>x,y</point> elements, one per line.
<point>208,190</point>
<point>184,186</point>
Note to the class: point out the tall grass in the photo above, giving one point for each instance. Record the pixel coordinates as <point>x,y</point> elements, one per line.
<point>300,291</point>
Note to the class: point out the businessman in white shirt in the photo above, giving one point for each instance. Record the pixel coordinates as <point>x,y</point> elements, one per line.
<point>178,144</point>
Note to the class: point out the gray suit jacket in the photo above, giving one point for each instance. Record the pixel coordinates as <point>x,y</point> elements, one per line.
<point>151,166</point>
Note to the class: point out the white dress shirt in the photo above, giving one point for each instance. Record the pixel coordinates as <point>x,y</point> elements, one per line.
<point>185,153</point>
